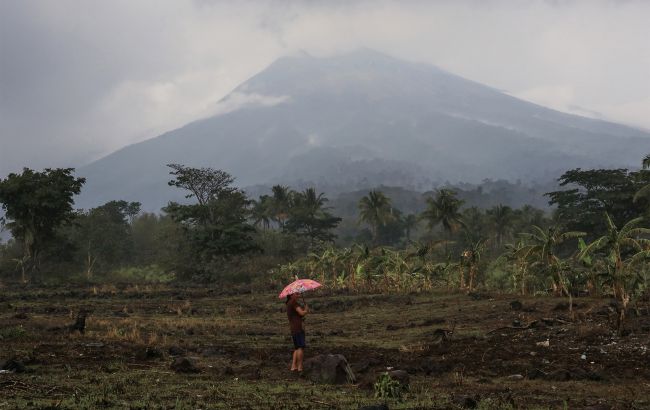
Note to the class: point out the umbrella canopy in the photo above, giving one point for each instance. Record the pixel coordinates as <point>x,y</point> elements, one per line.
<point>299,286</point>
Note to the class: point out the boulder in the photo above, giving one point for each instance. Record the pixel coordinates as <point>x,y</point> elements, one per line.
<point>400,376</point>
<point>466,401</point>
<point>176,351</point>
<point>13,365</point>
<point>184,365</point>
<point>148,353</point>
<point>329,369</point>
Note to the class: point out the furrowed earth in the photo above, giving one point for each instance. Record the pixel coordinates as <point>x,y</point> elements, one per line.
<point>485,351</point>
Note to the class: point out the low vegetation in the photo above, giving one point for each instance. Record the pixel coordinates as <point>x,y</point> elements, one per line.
<point>462,299</point>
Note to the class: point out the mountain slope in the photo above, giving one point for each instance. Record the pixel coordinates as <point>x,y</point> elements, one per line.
<point>360,120</point>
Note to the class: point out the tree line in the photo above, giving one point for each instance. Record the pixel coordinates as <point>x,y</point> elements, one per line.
<point>221,234</point>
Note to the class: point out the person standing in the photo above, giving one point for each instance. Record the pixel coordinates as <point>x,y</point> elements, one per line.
<point>296,315</point>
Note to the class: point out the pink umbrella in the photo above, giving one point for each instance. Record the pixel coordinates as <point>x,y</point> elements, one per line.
<point>299,286</point>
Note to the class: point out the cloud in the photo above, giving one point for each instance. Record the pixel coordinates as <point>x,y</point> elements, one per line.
<point>80,79</point>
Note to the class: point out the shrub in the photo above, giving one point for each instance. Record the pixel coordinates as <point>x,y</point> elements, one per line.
<point>147,274</point>
<point>387,387</point>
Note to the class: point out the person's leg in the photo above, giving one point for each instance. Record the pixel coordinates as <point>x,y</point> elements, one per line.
<point>299,356</point>
<point>294,362</point>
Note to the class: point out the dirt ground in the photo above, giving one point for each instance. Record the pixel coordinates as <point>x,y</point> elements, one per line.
<point>482,351</point>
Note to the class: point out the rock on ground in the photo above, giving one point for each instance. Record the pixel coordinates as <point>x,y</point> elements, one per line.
<point>329,369</point>
<point>184,365</point>
<point>12,365</point>
<point>374,407</point>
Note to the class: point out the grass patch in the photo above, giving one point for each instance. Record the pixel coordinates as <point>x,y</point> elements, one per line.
<point>12,332</point>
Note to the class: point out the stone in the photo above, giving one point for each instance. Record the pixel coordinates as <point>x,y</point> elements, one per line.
<point>401,376</point>
<point>184,365</point>
<point>176,351</point>
<point>13,365</point>
<point>465,401</point>
<point>516,305</point>
<point>212,351</point>
<point>328,369</point>
<point>149,353</point>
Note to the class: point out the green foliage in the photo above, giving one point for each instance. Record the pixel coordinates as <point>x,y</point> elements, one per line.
<point>541,252</point>
<point>37,204</point>
<point>12,332</point>
<point>215,228</point>
<point>622,257</point>
<point>308,217</point>
<point>501,218</point>
<point>388,388</point>
<point>644,192</point>
<point>147,274</point>
<point>375,210</point>
<point>444,209</point>
<point>591,193</point>
<point>103,236</point>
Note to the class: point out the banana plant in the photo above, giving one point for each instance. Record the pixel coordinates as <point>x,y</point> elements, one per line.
<point>541,252</point>
<point>471,258</point>
<point>625,255</point>
<point>514,257</point>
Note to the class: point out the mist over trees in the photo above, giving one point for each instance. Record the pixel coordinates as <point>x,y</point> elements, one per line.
<point>221,235</point>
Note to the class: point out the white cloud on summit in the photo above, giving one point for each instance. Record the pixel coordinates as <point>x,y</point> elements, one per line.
<point>79,79</point>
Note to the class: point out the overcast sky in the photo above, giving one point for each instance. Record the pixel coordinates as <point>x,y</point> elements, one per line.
<point>79,79</point>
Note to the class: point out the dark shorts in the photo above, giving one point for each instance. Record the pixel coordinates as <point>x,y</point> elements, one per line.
<point>299,340</point>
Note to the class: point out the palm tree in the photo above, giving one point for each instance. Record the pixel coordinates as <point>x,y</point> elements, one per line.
<point>501,217</point>
<point>261,212</point>
<point>444,209</point>
<point>280,200</point>
<point>309,216</point>
<point>623,252</point>
<point>376,211</point>
<point>311,202</point>
<point>542,247</point>
<point>645,191</point>
<point>475,224</point>
<point>410,221</point>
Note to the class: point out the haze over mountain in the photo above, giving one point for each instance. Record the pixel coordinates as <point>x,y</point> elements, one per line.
<point>360,120</point>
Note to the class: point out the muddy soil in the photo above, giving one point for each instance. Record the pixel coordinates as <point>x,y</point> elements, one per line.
<point>496,351</point>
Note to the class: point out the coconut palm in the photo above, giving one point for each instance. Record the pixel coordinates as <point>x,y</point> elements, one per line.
<point>410,221</point>
<point>475,224</point>
<point>624,254</point>
<point>280,202</point>
<point>444,210</point>
<point>261,212</point>
<point>541,250</point>
<point>375,210</point>
<point>645,191</point>
<point>501,218</point>
<point>308,216</point>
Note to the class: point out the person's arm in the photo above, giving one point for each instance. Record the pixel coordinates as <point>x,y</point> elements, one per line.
<point>302,311</point>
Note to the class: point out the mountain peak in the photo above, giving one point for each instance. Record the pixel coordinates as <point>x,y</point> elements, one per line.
<point>302,73</point>
<point>361,119</point>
